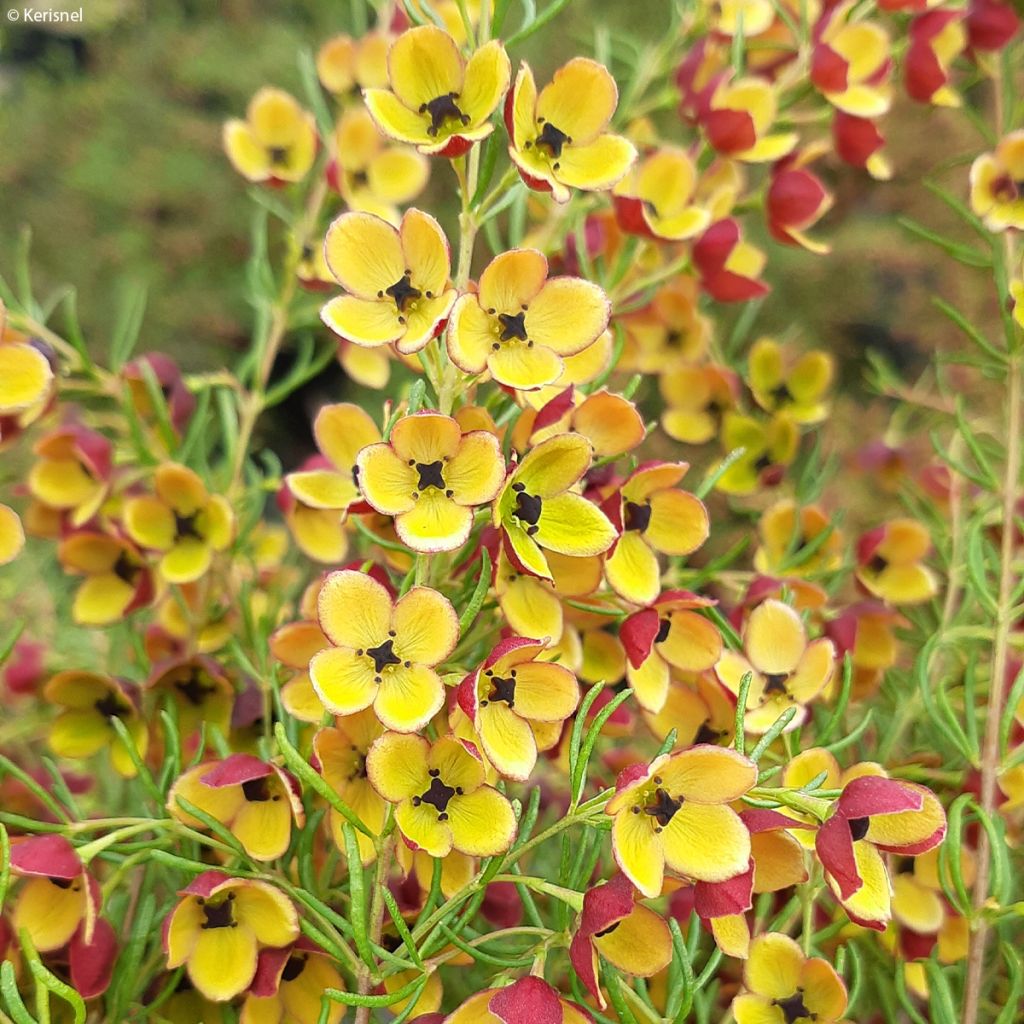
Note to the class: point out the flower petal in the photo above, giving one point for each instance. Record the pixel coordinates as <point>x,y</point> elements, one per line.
<point>774,639</point>
<point>638,851</point>
<point>426,251</point>
<point>408,698</point>
<point>572,525</point>
<point>344,680</point>
<point>365,254</point>
<point>632,569</point>
<point>708,774</point>
<point>597,165</point>
<point>366,322</point>
<point>397,766</point>
<point>678,524</point>
<point>423,64</point>
<point>567,315</point>
<point>707,842</point>
<point>471,335</point>
<point>579,100</point>
<point>512,280</point>
<point>223,962</point>
<point>522,367</point>
<point>482,822</point>
<point>774,966</point>
<point>507,740</point>
<point>426,625</point>
<point>354,610</point>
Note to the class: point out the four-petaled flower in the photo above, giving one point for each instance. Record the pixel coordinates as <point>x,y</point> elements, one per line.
<point>442,801</point>
<point>289,986</point>
<point>397,280</point>
<point>656,198</point>
<point>117,579</point>
<point>384,653</point>
<point>890,562</point>
<point>276,142</point>
<point>530,1000</point>
<point>430,476</point>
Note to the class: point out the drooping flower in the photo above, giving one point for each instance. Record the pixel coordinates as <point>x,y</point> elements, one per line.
<point>792,540</point>
<point>289,984</point>
<point>784,986</point>
<point>117,579</point>
<point>255,801</point>
<point>768,448</point>
<point>89,702</point>
<point>631,937</point>
<point>559,137</point>
<point>991,24</point>
<point>514,700</point>
<point>72,471</point>
<point>612,424</point>
<point>183,521</point>
<point>875,815</point>
<point>996,194</point>
<point>530,1000</point>
<point>12,535</point>
<point>520,323</point>
<point>438,101</point>
<point>201,692</point>
<point>937,38</point>
<point>730,268</point>
<point>443,803</point>
<point>384,653</point>
<point>696,707</point>
<point>859,142</point>
<point>536,510</point>
<point>653,515</point>
<point>276,142</point>
<point>430,476</point>
<point>695,399</point>
<point>674,813</point>
<point>851,63</point>
<point>656,199</point>
<point>346,65</point>
<point>786,671</point>
<point>737,117</point>
<point>891,565</point>
<point>669,332</point>
<point>340,755</point>
<point>396,280</point>
<point>218,928</point>
<point>796,200</point>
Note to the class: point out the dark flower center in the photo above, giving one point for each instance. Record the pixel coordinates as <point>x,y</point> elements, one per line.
<point>384,655</point>
<point>125,568</point>
<point>775,682</point>
<point>636,517</point>
<point>552,139</point>
<point>859,827</point>
<point>781,393</point>
<point>502,690</point>
<point>793,1008</point>
<point>763,463</point>
<point>110,707</point>
<point>705,734</point>
<point>528,507</point>
<point>295,966</point>
<point>359,178</point>
<point>1005,189</point>
<point>256,791</point>
<point>278,155</point>
<point>441,109</point>
<point>403,292</point>
<point>437,795</point>
<point>663,807</point>
<point>878,564</point>
<point>430,475</point>
<point>185,526</point>
<point>513,325</point>
<point>219,915</point>
<point>664,628</point>
<point>193,689</point>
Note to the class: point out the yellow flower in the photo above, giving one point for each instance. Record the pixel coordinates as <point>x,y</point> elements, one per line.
<point>72,472</point>
<point>673,813</point>
<point>218,928</point>
<point>438,101</point>
<point>511,698</point>
<point>289,986</point>
<point>656,198</point>
<point>786,671</point>
<point>12,535</point>
<point>430,476</point>
<point>668,331</point>
<point>295,645</point>
<point>851,64</point>
<point>695,399</point>
<point>183,521</point>
<point>521,322</point>
<point>997,193</point>
<point>202,693</point>
<point>26,378</point>
<point>653,515</point>
<point>559,137</point>
<point>276,142</point>
<point>384,652</point>
<point>117,580</point>
<point>768,448</point>
<point>442,801</point>
<point>787,535</point>
<point>891,565</point>
<point>784,986</point>
<point>538,511</point>
<point>346,65</point>
<point>738,117</point>
<point>371,175</point>
<point>799,390</point>
<point>397,280</point>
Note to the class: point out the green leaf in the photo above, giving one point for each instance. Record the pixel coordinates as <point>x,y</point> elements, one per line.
<point>741,712</point>
<point>578,781</point>
<point>357,913</point>
<point>956,250</point>
<point>476,602</point>
<point>127,323</point>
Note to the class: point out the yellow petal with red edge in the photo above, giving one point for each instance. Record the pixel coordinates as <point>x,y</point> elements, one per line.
<point>507,740</point>
<point>638,851</point>
<point>640,944</point>
<point>518,366</point>
<point>220,802</point>
<point>187,560</point>
<point>267,912</point>
<point>908,828</point>
<point>597,165</point>
<point>26,376</point>
<point>387,481</point>
<point>545,692</point>
<point>263,827</point>
<point>323,488</point>
<point>774,967</point>
<point>426,625</point>
<point>678,524</point>
<point>471,335</point>
<point>774,639</point>
<point>572,525</point>
<point>149,522</point>
<point>398,175</point>
<point>813,672</point>
<point>708,842</point>
<point>365,254</point>
<point>185,924</point>
<point>397,766</point>
<point>751,1009</point>
<point>408,698</point>
<point>824,993</point>
<point>79,733</point>
<point>612,424</point>
<point>49,912</point>
<point>579,100</point>
<point>527,551</point>
<point>420,826</point>
<point>354,610</point>
<point>275,117</point>
<point>732,935</point>
<point>487,76</point>
<point>531,608</point>
<point>524,102</point>
<point>682,710</point>
<point>512,280</point>
<point>12,535</point>
<point>647,482</point>
<point>482,822</point>
<point>778,861</point>
<point>554,465</point>
<point>649,683</point>
<point>693,642</point>
<point>632,569</point>
<point>708,774</point>
<point>872,901</point>
<point>567,315</point>
<point>423,321</point>
<point>343,680</point>
<point>426,251</point>
<point>395,119</point>
<point>101,600</point>
<point>366,322</point>
<point>319,534</point>
<point>223,962</point>
<point>476,471</point>
<point>423,64</point>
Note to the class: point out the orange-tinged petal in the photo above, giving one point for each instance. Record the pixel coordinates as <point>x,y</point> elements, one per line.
<point>708,774</point>
<point>364,253</point>
<point>708,842</point>
<point>366,322</point>
<point>531,607</point>
<point>507,740</point>
<point>640,944</point>
<point>408,698</point>
<point>751,1009</point>
<point>774,639</point>
<point>263,827</point>
<point>423,64</point>
<point>632,569</point>
<point>487,76</point>
<point>567,315</point>
<point>223,962</point>
<point>824,993</point>
<point>267,912</point>
<point>774,967</point>
<point>545,692</point>
<point>579,100</point>
<point>650,683</point>
<point>732,934</point>
<point>354,610</point>
<point>426,625</point>
<point>523,368</point>
<point>482,822</point>
<point>597,165</point>
<point>638,851</point>
<point>187,560</point>
<point>181,488</point>
<point>425,437</point>
<point>678,524</point>
<point>693,643</point>
<point>343,680</point>
<point>512,280</point>
<point>612,424</point>
<point>398,175</point>
<point>149,522</point>
<point>813,672</point>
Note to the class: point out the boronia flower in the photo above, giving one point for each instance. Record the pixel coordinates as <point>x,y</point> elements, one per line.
<point>521,322</point>
<point>117,580</point>
<point>695,399</point>
<point>653,515</point>
<point>255,801</point>
<point>786,671</point>
<point>937,38</point>
<point>768,448</point>
<point>442,801</point>
<point>26,376</point>
<point>558,137</point>
<point>673,813</point>
<point>630,936</point>
<point>72,471</point>
<point>891,565</point>
<point>183,521</point>
<point>201,692</point>
<point>397,280</point>
<point>537,510</point>
<point>89,702</point>
<point>796,387</point>
<point>851,64</point>
<point>384,653</point>
<point>737,118</point>
<point>438,101</point>
<point>517,704</point>
<point>12,535</point>
<point>276,142</point>
<point>730,268</point>
<point>430,476</point>
<point>289,986</point>
<point>530,1000</point>
<point>218,928</point>
<point>656,198</point>
<point>346,65</point>
<point>785,987</point>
